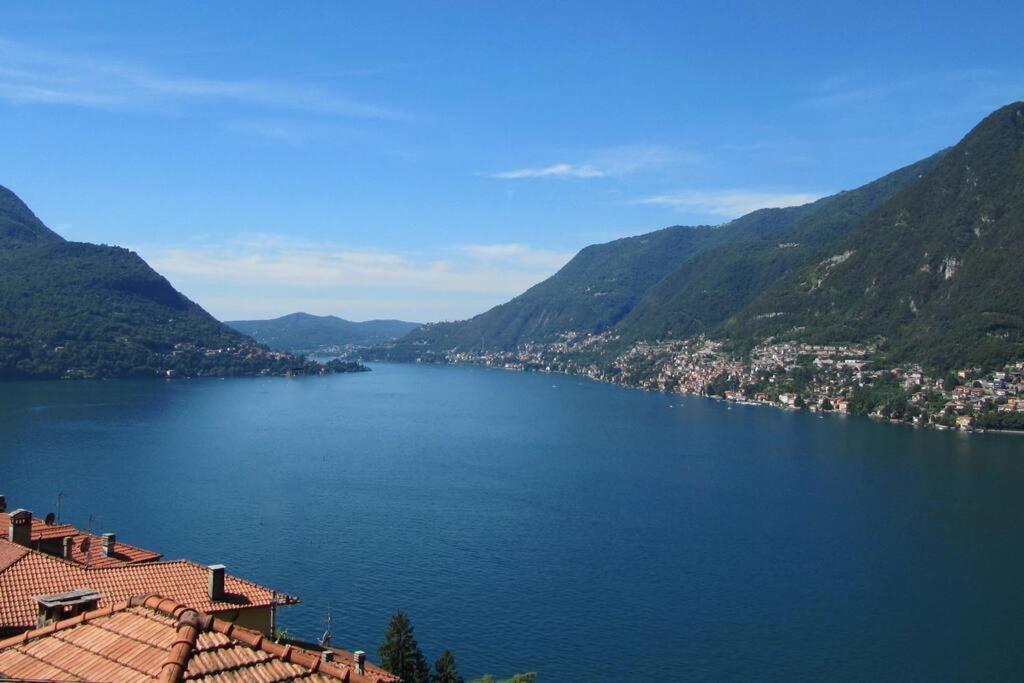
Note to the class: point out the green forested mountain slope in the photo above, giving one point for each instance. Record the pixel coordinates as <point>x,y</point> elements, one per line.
<point>590,293</point>
<point>676,281</point>
<point>709,287</point>
<point>597,288</point>
<point>305,332</point>
<point>934,274</point>
<point>925,262</point>
<point>88,310</point>
<point>70,309</point>
<point>19,226</point>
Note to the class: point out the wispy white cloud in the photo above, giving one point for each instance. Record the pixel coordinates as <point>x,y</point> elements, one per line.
<point>32,76</point>
<point>615,161</point>
<point>518,254</point>
<point>37,91</point>
<point>272,273</point>
<point>728,203</point>
<point>976,89</point>
<point>556,170</point>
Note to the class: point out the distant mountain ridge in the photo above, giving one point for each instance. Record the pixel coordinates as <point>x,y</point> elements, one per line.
<point>922,264</point>
<point>677,281</point>
<point>78,310</point>
<point>598,288</point>
<point>301,332</point>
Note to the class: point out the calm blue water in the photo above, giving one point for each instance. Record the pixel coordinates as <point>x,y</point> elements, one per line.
<point>548,523</point>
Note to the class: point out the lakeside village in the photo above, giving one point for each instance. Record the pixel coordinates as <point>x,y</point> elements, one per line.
<point>79,606</point>
<point>244,357</point>
<point>841,378</point>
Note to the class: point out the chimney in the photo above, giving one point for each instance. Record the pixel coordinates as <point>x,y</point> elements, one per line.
<point>20,530</point>
<point>51,608</point>
<point>3,503</point>
<point>217,581</point>
<point>69,542</point>
<point>109,541</point>
<point>360,658</point>
<point>327,656</point>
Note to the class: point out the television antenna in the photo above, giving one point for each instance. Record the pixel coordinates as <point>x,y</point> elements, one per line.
<point>60,497</point>
<point>325,639</point>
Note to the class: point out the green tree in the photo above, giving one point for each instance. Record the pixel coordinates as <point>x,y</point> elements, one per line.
<point>400,654</point>
<point>445,671</point>
<point>518,678</point>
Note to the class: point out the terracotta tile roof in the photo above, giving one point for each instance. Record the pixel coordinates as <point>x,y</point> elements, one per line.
<point>9,554</point>
<point>40,529</point>
<point>35,573</point>
<point>153,638</point>
<point>91,553</point>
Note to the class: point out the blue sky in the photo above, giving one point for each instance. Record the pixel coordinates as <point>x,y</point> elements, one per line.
<point>429,160</point>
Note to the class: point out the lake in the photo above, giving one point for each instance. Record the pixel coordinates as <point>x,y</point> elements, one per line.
<point>554,524</point>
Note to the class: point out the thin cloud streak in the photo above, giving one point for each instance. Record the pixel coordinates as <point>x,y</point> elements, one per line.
<point>728,203</point>
<point>557,170</point>
<point>518,254</point>
<point>32,76</point>
<point>615,161</point>
<point>980,89</point>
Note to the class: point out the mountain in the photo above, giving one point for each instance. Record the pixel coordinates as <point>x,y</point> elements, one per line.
<point>922,264</point>
<point>678,281</point>
<point>595,290</point>
<point>71,309</point>
<point>710,287</point>
<point>590,293</point>
<point>305,332</point>
<point>19,226</point>
<point>933,274</point>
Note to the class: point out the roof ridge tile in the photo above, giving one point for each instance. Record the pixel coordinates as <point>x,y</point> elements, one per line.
<point>62,625</point>
<point>36,572</point>
<point>189,623</point>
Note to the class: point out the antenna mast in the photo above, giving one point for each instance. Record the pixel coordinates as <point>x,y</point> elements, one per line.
<point>325,639</point>
<point>60,497</point>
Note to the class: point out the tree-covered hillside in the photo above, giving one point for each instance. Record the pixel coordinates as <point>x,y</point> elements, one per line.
<point>676,282</point>
<point>708,288</point>
<point>19,226</point>
<point>933,274</point>
<point>70,309</point>
<point>923,264</point>
<point>304,332</point>
<point>591,293</point>
<point>596,289</point>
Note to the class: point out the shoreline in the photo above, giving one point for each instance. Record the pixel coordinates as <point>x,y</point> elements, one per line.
<point>876,418</point>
